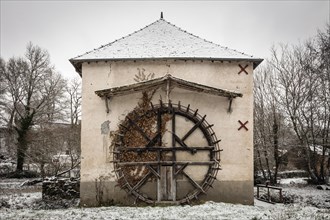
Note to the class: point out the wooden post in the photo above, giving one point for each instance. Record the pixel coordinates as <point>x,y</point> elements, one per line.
<point>168,90</point>
<point>173,184</point>
<point>268,194</point>
<point>258,192</point>
<point>106,104</point>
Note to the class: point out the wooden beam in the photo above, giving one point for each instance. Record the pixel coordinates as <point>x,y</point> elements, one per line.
<point>163,163</point>
<point>107,104</point>
<point>188,108</point>
<point>151,143</point>
<point>139,129</point>
<point>180,169</point>
<point>209,126</point>
<point>193,182</point>
<point>167,91</point>
<point>141,182</point>
<point>173,137</point>
<point>159,126</point>
<point>165,148</point>
<point>193,129</point>
<point>153,171</point>
<point>195,114</point>
<point>216,141</point>
<point>230,102</point>
<point>180,141</point>
<point>166,81</point>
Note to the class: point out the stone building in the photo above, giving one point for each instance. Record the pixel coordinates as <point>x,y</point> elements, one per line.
<point>167,117</point>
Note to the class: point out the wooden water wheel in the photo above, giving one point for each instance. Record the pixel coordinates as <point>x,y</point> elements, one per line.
<point>155,152</point>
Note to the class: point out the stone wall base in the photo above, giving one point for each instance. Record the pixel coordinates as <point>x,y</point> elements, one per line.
<point>109,193</point>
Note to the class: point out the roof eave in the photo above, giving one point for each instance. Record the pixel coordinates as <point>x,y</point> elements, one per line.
<point>77,66</point>
<point>77,63</point>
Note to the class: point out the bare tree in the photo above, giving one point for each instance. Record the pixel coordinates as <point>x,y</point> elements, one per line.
<point>2,92</point>
<point>32,90</point>
<point>73,89</point>
<point>320,55</point>
<point>55,147</point>
<point>73,149</point>
<point>43,144</point>
<point>270,127</point>
<point>303,77</point>
<point>73,139</point>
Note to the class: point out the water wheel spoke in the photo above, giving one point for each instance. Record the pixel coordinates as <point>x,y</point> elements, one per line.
<point>139,129</point>
<point>141,182</point>
<point>180,169</point>
<point>153,141</point>
<point>193,182</point>
<point>183,144</point>
<point>153,171</point>
<point>193,129</point>
<point>180,141</point>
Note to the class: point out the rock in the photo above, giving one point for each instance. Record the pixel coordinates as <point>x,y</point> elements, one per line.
<point>323,187</point>
<point>60,188</point>
<point>319,187</point>
<point>4,204</point>
<point>31,182</point>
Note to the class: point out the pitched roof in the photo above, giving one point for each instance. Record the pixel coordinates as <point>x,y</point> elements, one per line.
<point>161,40</point>
<point>168,80</point>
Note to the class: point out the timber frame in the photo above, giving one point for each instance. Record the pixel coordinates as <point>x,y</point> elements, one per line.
<point>169,81</point>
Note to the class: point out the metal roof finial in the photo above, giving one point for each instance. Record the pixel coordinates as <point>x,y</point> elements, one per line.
<point>161,15</point>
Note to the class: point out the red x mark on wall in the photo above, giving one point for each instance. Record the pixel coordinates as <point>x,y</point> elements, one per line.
<point>243,69</point>
<point>243,125</point>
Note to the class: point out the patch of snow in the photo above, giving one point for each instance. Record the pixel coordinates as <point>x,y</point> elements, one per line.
<point>318,149</point>
<point>292,171</point>
<point>293,181</point>
<point>209,210</point>
<point>21,200</point>
<point>309,203</point>
<point>161,39</point>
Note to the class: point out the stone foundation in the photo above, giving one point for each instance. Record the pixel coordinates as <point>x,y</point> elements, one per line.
<point>108,193</point>
<point>60,188</point>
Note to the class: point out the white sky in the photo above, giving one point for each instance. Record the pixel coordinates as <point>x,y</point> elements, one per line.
<point>69,28</point>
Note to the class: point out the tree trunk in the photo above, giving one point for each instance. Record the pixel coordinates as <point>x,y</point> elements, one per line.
<point>21,150</point>
<point>267,165</point>
<point>22,143</point>
<point>42,170</point>
<point>309,167</point>
<point>260,164</point>
<point>276,156</point>
<point>322,176</point>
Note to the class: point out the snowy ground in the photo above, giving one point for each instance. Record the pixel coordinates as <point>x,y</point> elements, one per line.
<point>25,203</point>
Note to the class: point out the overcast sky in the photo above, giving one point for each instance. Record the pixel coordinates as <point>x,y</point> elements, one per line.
<point>69,28</point>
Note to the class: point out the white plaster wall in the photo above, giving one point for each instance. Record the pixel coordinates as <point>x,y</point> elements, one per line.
<point>237,157</point>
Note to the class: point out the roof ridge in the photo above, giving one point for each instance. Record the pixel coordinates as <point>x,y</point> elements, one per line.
<point>112,42</point>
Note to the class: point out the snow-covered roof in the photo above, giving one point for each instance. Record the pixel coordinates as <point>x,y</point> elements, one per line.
<point>161,40</point>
